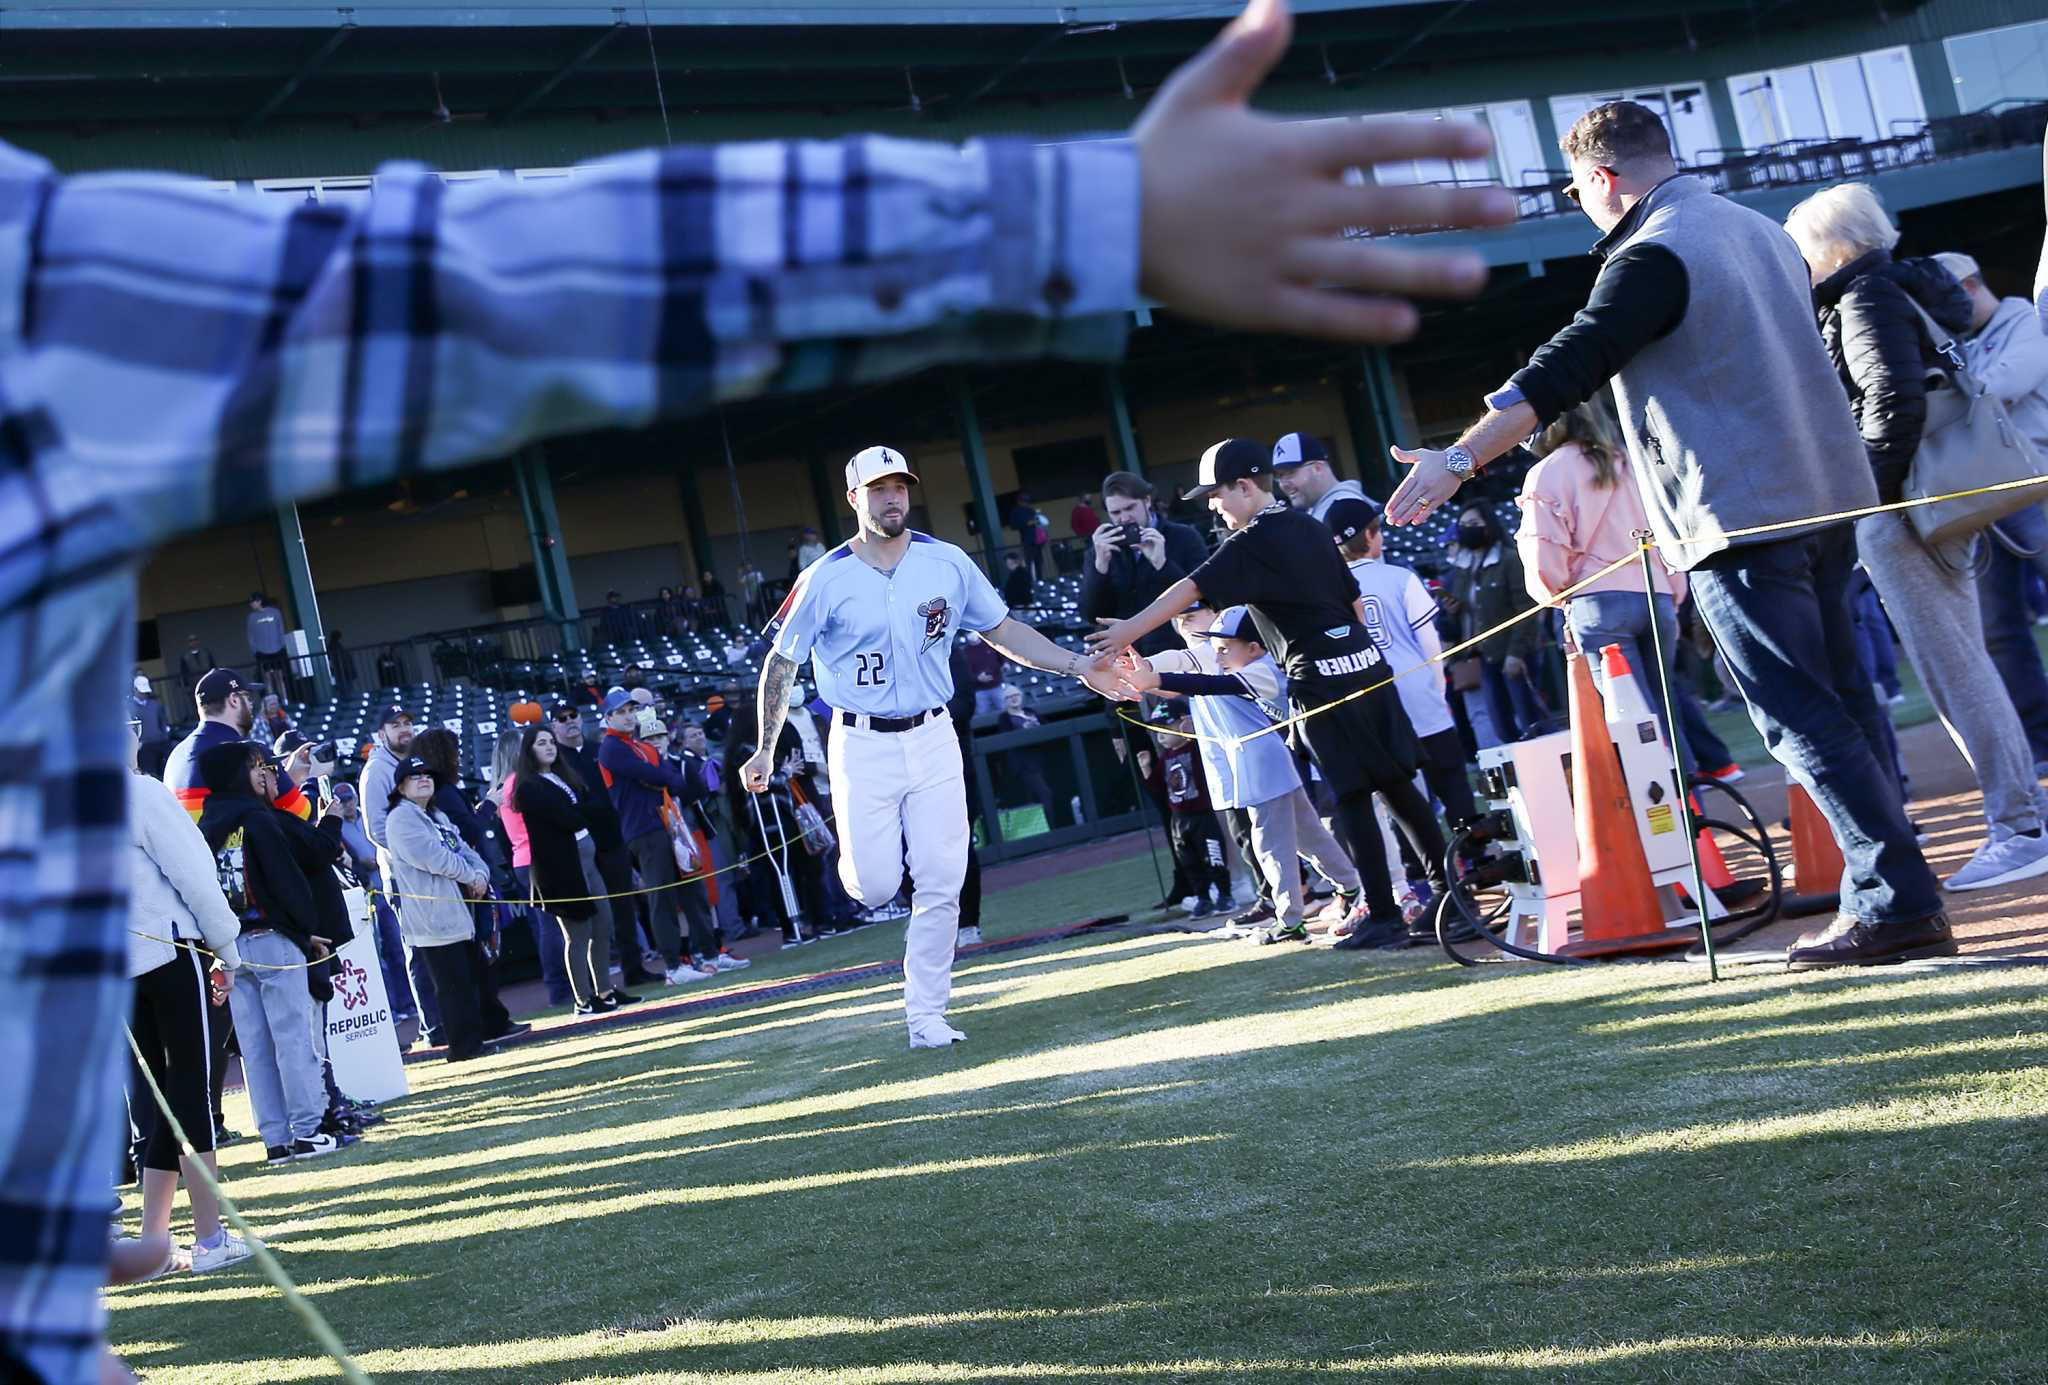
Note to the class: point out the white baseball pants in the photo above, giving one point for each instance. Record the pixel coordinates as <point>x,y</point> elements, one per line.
<point>898,789</point>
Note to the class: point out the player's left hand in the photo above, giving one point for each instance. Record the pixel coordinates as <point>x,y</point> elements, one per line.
<point>1427,487</point>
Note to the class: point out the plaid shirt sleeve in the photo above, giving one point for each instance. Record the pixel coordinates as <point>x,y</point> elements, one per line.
<point>172,356</point>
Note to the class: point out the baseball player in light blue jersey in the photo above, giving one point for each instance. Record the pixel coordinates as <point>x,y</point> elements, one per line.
<point>876,616</point>
<point>1234,689</point>
<point>1401,615</point>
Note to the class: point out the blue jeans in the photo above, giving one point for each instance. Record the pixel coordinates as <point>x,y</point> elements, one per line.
<point>274,1018</point>
<point>1781,614</point>
<point>390,952</point>
<point>2009,624</point>
<point>1874,635</point>
<point>1598,619</point>
<point>1513,703</point>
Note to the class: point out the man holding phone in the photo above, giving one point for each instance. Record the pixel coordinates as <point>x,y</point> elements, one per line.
<point>1136,555</point>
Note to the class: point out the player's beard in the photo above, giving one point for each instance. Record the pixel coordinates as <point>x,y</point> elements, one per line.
<point>888,526</point>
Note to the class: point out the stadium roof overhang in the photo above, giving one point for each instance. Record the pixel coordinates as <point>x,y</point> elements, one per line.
<point>106,64</point>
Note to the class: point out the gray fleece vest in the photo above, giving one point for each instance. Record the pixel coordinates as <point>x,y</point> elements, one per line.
<point>1736,417</point>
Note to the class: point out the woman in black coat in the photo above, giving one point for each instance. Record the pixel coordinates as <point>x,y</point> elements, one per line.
<point>1871,309</point>
<point>548,792</point>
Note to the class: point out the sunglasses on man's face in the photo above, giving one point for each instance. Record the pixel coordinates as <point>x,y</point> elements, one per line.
<point>1571,189</point>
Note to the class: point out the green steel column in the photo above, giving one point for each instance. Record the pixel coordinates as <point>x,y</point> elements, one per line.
<point>828,488</point>
<point>1546,138</point>
<point>1127,458</point>
<point>702,557</point>
<point>984,486</point>
<point>1722,103</point>
<point>1937,81</point>
<point>1380,416</point>
<point>550,553</point>
<point>298,573</point>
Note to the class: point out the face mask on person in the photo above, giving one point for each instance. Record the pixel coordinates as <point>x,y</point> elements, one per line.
<point>1473,536</point>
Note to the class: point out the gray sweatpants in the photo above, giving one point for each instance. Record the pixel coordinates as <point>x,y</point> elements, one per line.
<point>1286,828</point>
<point>1935,609</point>
<point>274,1018</point>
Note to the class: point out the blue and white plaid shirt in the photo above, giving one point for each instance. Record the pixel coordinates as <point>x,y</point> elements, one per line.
<point>173,357</point>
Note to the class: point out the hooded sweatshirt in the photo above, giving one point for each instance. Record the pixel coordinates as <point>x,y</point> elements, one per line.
<point>259,870</point>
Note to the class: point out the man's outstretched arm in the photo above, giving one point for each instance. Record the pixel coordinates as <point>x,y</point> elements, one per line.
<point>1021,644</point>
<point>778,675</point>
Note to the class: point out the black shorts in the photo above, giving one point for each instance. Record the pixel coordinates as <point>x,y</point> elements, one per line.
<point>1366,743</point>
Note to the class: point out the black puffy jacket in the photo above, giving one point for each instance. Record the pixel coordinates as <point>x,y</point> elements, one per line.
<point>1881,351</point>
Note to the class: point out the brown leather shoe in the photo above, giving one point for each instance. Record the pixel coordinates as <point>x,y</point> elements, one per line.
<point>1849,942</point>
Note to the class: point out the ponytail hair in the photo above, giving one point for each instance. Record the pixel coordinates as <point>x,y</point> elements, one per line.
<point>1592,428</point>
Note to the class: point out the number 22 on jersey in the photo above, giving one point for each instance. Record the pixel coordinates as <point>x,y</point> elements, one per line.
<point>870,671</point>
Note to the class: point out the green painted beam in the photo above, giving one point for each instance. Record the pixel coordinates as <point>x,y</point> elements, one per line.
<point>1120,428</point>
<point>828,489</point>
<point>298,576</point>
<point>550,549</point>
<point>979,481</point>
<point>702,555</point>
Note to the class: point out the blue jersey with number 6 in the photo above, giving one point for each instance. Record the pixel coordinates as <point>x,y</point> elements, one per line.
<point>881,643</point>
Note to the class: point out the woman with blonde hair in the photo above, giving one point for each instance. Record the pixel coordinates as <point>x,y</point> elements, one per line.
<point>1874,314</point>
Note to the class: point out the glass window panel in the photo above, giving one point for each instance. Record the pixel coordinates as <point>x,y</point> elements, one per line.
<point>1799,103</point>
<point>1894,89</point>
<point>1517,149</point>
<point>1845,99</point>
<point>1690,118</point>
<point>1756,108</point>
<point>2009,64</point>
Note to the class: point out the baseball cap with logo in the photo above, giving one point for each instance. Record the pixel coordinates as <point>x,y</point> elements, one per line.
<point>617,698</point>
<point>1296,448</point>
<point>564,712</point>
<point>219,684</point>
<point>872,464</point>
<point>1233,459</point>
<point>1351,516</point>
<point>391,714</point>
<point>651,724</point>
<point>1234,624</point>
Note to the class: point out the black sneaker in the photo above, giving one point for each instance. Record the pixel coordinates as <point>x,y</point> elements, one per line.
<point>510,1031</point>
<point>274,1155</point>
<point>1374,934</point>
<point>1261,911</point>
<point>222,1136</point>
<point>619,998</point>
<point>365,1112</point>
<point>583,1009</point>
<point>1296,932</point>
<point>1203,908</point>
<point>321,1143</point>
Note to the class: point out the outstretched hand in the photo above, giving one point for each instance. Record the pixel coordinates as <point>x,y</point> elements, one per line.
<point>1103,676</point>
<point>1112,639</point>
<point>1424,490</point>
<point>1276,259</point>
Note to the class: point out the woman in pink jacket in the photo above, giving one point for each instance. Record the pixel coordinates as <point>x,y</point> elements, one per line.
<point>1580,512</point>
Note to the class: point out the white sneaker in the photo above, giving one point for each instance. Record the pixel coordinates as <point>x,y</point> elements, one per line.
<point>969,937</point>
<point>232,1250</point>
<point>2001,861</point>
<point>682,973</point>
<point>937,1034</point>
<point>1192,905</point>
<point>725,961</point>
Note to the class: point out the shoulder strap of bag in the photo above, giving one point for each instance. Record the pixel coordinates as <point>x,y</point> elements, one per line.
<point>1946,346</point>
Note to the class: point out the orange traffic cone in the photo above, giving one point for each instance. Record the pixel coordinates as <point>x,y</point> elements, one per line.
<point>1816,860</point>
<point>1618,906</point>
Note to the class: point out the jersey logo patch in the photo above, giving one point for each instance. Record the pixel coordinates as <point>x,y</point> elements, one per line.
<point>934,612</point>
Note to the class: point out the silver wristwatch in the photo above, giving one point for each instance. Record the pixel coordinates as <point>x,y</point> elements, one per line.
<point>1458,460</point>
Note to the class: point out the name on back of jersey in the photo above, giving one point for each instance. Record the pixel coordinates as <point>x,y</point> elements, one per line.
<point>1344,665</point>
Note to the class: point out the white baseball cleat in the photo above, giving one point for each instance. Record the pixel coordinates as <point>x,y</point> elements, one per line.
<point>937,1034</point>
<point>970,936</point>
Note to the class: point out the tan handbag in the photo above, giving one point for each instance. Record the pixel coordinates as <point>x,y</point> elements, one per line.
<point>1970,442</point>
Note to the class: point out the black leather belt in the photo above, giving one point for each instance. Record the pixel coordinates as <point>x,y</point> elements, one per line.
<point>855,719</point>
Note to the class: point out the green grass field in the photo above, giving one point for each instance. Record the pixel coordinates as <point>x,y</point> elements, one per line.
<point>1166,1159</point>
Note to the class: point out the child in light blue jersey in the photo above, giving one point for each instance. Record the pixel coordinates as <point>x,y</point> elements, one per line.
<point>1234,689</point>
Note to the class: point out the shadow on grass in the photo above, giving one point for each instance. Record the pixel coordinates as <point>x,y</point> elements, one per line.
<point>1108,1205</point>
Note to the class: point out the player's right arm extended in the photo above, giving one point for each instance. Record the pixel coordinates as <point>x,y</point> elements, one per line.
<point>1114,639</point>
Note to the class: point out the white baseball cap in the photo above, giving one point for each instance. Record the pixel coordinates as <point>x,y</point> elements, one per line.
<point>872,464</point>
<point>1960,265</point>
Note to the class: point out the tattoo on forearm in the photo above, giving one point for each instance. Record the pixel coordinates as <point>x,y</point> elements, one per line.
<point>777,674</point>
